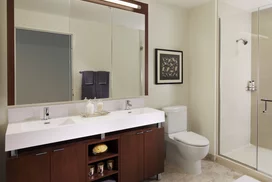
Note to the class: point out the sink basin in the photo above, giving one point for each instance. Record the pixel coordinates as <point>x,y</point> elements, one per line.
<point>35,133</point>
<point>134,111</point>
<point>46,124</point>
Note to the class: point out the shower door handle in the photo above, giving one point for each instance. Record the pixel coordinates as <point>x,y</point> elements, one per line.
<point>265,104</point>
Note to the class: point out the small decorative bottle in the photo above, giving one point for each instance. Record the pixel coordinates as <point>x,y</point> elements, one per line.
<point>89,108</point>
<point>100,106</point>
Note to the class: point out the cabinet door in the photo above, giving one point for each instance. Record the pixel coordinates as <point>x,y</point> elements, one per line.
<point>154,152</point>
<point>30,168</point>
<point>132,156</point>
<point>68,164</point>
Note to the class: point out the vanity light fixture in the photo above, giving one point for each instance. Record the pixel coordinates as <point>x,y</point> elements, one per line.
<point>124,3</point>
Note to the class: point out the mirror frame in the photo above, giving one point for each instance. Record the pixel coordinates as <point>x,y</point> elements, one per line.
<point>11,43</point>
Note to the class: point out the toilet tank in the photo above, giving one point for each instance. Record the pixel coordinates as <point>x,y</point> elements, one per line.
<point>176,119</point>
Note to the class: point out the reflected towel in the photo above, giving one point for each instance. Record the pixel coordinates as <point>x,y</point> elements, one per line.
<point>102,84</point>
<point>87,77</point>
<point>88,85</point>
<point>103,77</point>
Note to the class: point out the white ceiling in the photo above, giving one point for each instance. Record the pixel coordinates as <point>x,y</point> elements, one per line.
<point>248,5</point>
<point>185,3</point>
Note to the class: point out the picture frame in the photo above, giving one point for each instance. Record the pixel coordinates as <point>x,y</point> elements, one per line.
<point>168,66</point>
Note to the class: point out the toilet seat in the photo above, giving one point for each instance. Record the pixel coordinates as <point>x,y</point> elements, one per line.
<point>192,139</point>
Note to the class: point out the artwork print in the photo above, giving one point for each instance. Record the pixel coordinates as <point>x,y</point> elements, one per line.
<point>169,66</point>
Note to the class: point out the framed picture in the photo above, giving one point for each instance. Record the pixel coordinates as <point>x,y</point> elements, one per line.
<point>168,66</point>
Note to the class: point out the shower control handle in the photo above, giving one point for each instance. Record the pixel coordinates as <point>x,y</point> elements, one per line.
<point>265,104</point>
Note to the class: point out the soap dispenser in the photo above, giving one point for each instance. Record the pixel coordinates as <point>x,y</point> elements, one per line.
<point>89,108</point>
<point>100,106</point>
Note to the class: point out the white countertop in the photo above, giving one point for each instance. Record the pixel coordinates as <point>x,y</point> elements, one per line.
<point>35,133</point>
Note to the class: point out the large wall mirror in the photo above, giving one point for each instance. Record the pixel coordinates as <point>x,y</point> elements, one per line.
<point>69,50</point>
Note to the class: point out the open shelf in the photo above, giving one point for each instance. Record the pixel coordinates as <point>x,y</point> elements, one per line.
<point>106,173</point>
<point>101,157</point>
<point>111,154</point>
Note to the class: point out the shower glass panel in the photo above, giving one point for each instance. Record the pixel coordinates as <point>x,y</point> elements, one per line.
<point>238,127</point>
<point>245,131</point>
<point>265,90</point>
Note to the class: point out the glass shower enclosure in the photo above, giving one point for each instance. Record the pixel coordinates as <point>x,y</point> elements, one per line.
<point>245,131</point>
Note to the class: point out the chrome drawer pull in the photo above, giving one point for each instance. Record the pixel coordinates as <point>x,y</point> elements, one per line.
<point>140,133</point>
<point>148,131</point>
<point>43,153</point>
<point>58,150</point>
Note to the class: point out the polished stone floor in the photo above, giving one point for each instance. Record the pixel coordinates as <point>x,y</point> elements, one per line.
<point>211,172</point>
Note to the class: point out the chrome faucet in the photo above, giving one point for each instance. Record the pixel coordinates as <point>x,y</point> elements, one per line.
<point>128,105</point>
<point>46,113</point>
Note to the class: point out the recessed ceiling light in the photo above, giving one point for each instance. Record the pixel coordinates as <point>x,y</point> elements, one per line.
<point>124,3</point>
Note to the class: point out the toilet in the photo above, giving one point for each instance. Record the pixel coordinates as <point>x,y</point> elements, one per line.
<point>183,148</point>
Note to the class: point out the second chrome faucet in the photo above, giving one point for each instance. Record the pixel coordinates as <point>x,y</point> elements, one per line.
<point>128,105</point>
<point>46,115</point>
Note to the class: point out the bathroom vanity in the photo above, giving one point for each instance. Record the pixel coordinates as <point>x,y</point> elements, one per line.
<point>135,141</point>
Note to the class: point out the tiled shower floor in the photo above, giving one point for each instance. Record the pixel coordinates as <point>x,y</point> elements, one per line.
<point>248,155</point>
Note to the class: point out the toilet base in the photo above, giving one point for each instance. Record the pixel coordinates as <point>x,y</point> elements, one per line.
<point>173,156</point>
<point>192,167</point>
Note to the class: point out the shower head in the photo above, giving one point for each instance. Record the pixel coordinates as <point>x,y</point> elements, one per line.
<point>243,40</point>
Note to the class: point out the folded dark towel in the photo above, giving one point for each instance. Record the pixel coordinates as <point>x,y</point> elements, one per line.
<point>102,84</point>
<point>103,77</point>
<point>87,77</point>
<point>88,85</point>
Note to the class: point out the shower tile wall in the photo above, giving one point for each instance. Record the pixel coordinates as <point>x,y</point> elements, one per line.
<point>265,74</point>
<point>235,71</point>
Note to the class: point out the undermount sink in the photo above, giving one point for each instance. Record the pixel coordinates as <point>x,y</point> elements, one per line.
<point>133,111</point>
<point>46,124</point>
<point>41,132</point>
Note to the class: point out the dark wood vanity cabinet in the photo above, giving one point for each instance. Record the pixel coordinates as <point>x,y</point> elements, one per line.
<point>62,163</point>
<point>29,168</point>
<point>154,152</point>
<point>138,154</point>
<point>132,155</point>
<point>68,163</point>
<point>142,154</point>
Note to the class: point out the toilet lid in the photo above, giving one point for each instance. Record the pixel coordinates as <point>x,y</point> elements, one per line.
<point>191,138</point>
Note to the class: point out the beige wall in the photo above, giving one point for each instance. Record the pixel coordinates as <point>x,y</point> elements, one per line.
<point>168,29</point>
<point>31,20</point>
<point>3,86</point>
<point>202,72</point>
<point>263,60</point>
<point>126,67</point>
<point>94,55</point>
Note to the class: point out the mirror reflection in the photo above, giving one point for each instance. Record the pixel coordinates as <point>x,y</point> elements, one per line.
<point>68,50</point>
